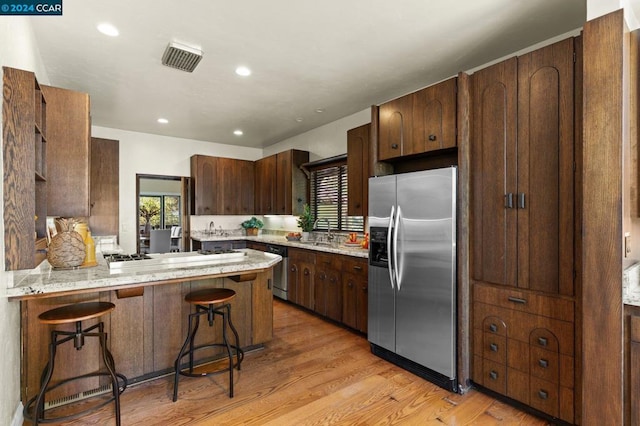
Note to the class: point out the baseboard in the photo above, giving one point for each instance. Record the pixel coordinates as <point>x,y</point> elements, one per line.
<point>18,419</point>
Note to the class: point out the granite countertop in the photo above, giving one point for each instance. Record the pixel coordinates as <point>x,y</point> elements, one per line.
<point>631,285</point>
<point>44,280</point>
<point>280,240</point>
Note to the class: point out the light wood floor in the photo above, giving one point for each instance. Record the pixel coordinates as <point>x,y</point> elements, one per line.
<point>311,373</point>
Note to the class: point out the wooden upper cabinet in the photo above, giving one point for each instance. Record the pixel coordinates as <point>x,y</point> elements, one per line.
<point>265,185</point>
<point>358,170</point>
<point>291,182</point>
<point>434,118</point>
<point>522,180</point>
<point>68,152</point>
<point>105,195</point>
<point>221,186</point>
<point>24,156</point>
<point>395,127</point>
<point>419,122</point>
<point>204,182</point>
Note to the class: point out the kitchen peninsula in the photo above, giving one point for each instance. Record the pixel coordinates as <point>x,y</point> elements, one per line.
<point>147,328</point>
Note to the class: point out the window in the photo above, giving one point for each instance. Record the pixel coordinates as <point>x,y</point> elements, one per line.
<point>329,192</point>
<point>162,211</point>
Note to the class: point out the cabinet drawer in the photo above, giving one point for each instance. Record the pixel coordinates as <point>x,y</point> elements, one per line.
<point>328,261</point>
<point>544,396</point>
<point>545,364</point>
<point>494,376</point>
<point>494,348</point>
<point>354,265</point>
<point>520,325</point>
<point>525,301</point>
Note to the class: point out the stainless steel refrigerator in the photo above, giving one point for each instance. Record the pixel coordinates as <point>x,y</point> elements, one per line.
<point>412,272</point>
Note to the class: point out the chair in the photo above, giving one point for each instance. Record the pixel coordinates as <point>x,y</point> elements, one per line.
<point>176,236</point>
<point>160,241</point>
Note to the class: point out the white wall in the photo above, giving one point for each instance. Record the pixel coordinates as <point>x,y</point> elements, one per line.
<point>18,49</point>
<point>325,141</point>
<point>143,153</point>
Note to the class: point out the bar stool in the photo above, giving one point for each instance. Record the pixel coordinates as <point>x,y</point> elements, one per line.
<point>209,302</point>
<point>76,314</point>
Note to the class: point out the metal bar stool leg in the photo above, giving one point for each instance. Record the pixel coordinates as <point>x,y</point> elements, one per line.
<point>225,321</point>
<point>108,362</point>
<point>239,352</point>
<point>46,378</point>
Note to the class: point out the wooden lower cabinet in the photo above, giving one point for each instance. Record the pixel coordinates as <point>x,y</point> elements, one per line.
<point>332,285</point>
<point>632,365</point>
<point>525,351</point>
<point>145,332</point>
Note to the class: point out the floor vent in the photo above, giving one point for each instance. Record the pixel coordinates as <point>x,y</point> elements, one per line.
<point>77,397</point>
<point>181,57</point>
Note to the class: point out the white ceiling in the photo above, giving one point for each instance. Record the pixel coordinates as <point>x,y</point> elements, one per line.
<point>337,55</point>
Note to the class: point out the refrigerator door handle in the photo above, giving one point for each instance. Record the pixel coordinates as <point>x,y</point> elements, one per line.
<point>396,265</point>
<point>389,252</point>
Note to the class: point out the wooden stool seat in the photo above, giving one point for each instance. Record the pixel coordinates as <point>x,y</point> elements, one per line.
<point>210,296</point>
<point>77,312</point>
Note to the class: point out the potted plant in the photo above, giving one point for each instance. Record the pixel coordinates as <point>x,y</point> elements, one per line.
<point>252,225</point>
<point>305,222</point>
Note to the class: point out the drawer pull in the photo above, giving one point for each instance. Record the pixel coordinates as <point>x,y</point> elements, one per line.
<point>517,300</point>
<point>493,328</point>
<point>543,394</point>
<point>358,268</point>
<point>493,347</point>
<point>394,146</point>
<point>493,375</point>
<point>542,341</point>
<point>543,363</point>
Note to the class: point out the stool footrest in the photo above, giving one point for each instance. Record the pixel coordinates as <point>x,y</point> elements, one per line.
<point>236,364</point>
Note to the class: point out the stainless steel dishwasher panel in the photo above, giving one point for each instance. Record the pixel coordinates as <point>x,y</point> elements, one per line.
<point>280,272</point>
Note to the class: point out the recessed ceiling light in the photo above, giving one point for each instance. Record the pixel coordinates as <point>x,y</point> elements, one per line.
<point>243,71</point>
<point>238,132</point>
<point>163,120</point>
<point>319,110</point>
<point>108,29</point>
<point>299,119</point>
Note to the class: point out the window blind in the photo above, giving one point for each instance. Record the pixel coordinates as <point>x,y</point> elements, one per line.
<point>329,192</point>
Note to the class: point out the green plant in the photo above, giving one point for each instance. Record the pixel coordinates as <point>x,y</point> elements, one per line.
<point>305,220</point>
<point>254,222</point>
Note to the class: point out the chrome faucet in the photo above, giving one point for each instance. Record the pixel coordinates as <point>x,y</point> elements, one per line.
<point>324,219</point>
<point>212,226</point>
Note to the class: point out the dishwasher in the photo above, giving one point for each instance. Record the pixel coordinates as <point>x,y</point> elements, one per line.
<point>280,272</point>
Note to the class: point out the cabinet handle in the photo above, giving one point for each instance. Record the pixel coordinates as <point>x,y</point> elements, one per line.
<point>332,280</point>
<point>432,137</point>
<point>306,272</point>
<point>493,347</point>
<point>293,269</point>
<point>394,146</point>
<point>493,375</point>
<point>493,328</point>
<point>350,284</point>
<point>521,203</point>
<point>517,300</point>
<point>508,201</point>
<point>269,283</point>
<point>542,341</point>
<point>357,268</point>
<point>543,394</point>
<point>543,363</point>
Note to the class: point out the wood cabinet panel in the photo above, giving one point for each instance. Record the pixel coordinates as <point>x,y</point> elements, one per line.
<point>204,181</point>
<point>105,184</point>
<point>246,182</point>
<point>358,141</point>
<point>291,183</point>
<point>395,127</point>
<point>434,117</point>
<point>68,152</point>
<point>265,185</point>
<point>328,286</point>
<point>355,296</point>
<point>262,294</point>
<point>24,155</point>
<point>301,277</point>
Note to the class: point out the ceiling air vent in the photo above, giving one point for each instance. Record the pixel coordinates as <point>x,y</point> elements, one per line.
<point>181,57</point>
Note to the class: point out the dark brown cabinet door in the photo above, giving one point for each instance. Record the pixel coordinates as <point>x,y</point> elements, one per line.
<point>228,189</point>
<point>358,170</point>
<point>204,180</point>
<point>545,169</point>
<point>246,186</point>
<point>434,118</point>
<point>283,182</point>
<point>354,295</point>
<point>105,195</point>
<point>68,152</point>
<point>493,177</point>
<point>265,185</point>
<point>395,127</point>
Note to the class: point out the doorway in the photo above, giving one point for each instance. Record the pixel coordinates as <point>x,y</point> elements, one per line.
<point>162,202</point>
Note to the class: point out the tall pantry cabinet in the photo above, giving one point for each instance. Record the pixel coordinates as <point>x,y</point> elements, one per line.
<point>522,228</point>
